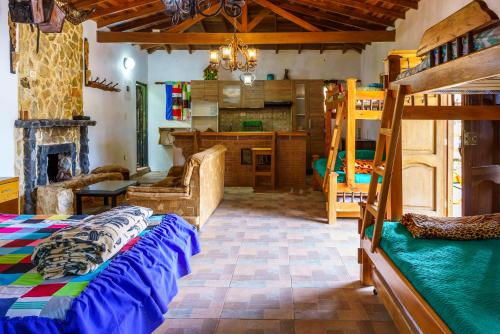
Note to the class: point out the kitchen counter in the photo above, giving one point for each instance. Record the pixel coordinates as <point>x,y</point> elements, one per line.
<point>290,154</point>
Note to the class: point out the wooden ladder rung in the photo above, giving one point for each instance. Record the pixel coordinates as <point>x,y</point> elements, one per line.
<point>386,132</point>
<point>379,170</point>
<point>372,209</point>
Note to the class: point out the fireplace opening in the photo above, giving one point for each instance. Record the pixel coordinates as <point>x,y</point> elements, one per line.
<point>56,163</point>
<point>59,167</point>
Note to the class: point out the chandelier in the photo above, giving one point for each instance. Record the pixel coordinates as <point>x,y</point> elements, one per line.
<point>183,9</point>
<point>234,56</point>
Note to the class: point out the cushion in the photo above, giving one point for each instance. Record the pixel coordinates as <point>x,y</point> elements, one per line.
<point>361,166</point>
<point>169,182</point>
<point>176,171</point>
<point>461,228</point>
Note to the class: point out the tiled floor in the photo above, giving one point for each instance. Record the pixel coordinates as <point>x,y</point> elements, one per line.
<point>270,264</point>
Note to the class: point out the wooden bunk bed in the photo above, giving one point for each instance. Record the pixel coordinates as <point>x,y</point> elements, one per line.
<point>346,188</point>
<point>476,72</point>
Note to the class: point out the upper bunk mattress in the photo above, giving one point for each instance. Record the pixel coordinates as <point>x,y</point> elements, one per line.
<point>482,40</point>
<point>459,279</point>
<point>127,294</point>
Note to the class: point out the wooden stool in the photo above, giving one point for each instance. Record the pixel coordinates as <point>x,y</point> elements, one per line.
<point>257,153</point>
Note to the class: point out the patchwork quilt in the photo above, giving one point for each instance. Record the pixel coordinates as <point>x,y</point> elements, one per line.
<point>30,304</point>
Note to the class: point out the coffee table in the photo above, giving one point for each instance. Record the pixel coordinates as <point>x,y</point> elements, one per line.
<point>104,189</point>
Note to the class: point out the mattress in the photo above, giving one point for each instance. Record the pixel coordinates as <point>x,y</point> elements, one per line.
<point>459,279</point>
<point>482,40</point>
<point>127,294</point>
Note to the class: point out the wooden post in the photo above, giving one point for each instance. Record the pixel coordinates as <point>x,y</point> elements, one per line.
<point>365,268</point>
<point>351,131</point>
<point>332,198</point>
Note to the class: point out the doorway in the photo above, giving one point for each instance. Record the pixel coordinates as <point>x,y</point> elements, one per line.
<point>142,123</point>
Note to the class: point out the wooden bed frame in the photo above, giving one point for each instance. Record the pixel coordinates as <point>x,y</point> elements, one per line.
<point>475,73</point>
<point>349,189</point>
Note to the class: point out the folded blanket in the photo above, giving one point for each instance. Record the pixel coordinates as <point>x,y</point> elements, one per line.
<point>461,228</point>
<point>82,248</point>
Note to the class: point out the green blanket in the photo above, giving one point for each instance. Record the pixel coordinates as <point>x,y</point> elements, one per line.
<point>459,279</point>
<point>320,166</point>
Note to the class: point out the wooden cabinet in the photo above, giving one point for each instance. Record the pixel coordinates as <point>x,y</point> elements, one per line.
<point>205,90</point>
<point>277,90</point>
<point>253,96</point>
<point>9,195</point>
<point>233,94</point>
<point>308,114</point>
<point>230,94</point>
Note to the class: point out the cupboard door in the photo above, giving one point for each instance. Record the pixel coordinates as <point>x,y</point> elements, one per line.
<point>277,90</point>
<point>211,90</point>
<point>317,116</point>
<point>197,90</point>
<point>253,96</point>
<point>230,94</point>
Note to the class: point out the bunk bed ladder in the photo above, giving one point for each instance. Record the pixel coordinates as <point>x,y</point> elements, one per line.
<point>387,143</point>
<point>334,144</point>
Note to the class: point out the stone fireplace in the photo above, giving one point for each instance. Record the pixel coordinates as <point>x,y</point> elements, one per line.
<point>50,151</point>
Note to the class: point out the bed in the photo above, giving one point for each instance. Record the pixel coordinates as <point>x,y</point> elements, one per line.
<point>127,294</point>
<point>349,187</point>
<point>458,279</point>
<point>407,272</point>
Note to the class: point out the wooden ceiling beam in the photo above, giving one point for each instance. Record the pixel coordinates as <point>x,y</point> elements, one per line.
<point>308,11</point>
<point>327,37</point>
<point>232,21</point>
<point>333,8</point>
<point>87,3</point>
<point>372,8</point>
<point>408,4</point>
<point>257,19</point>
<point>129,16</point>
<point>287,15</point>
<point>244,18</point>
<point>117,9</point>
<point>147,23</point>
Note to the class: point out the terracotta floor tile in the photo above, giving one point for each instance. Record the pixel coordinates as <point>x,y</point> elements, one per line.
<point>188,326</point>
<point>238,326</point>
<point>197,303</point>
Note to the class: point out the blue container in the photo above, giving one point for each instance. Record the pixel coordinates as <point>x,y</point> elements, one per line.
<point>270,77</point>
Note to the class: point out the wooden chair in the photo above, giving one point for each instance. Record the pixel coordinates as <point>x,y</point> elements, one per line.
<point>259,154</point>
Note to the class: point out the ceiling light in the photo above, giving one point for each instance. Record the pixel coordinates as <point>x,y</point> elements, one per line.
<point>234,56</point>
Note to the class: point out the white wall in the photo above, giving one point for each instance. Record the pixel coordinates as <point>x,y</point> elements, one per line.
<point>182,66</point>
<point>113,140</point>
<point>8,99</point>
<point>410,31</point>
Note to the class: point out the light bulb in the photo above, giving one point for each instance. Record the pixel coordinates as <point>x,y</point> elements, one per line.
<point>214,57</point>
<point>128,63</point>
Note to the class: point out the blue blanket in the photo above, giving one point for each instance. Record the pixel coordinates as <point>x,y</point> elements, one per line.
<point>130,294</point>
<point>459,279</point>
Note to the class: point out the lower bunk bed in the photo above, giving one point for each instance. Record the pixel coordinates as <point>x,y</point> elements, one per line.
<point>435,286</point>
<point>127,294</point>
<point>347,196</point>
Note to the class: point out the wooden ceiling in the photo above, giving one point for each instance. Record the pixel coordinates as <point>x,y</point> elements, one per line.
<point>309,24</point>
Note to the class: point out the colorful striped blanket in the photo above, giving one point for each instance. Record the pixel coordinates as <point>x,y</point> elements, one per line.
<point>103,299</point>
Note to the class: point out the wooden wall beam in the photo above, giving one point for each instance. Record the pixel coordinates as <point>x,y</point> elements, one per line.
<point>466,113</point>
<point>328,37</point>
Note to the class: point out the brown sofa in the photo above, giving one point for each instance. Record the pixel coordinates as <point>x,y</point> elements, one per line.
<point>59,198</point>
<point>194,195</point>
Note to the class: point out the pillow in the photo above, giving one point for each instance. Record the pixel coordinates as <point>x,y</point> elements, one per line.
<point>361,166</point>
<point>169,182</point>
<point>461,228</point>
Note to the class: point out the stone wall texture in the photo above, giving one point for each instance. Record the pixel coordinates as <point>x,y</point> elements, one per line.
<point>51,81</point>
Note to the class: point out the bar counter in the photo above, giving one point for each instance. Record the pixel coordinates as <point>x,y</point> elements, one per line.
<point>290,154</point>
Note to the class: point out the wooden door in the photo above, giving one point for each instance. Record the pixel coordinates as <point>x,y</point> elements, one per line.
<point>277,90</point>
<point>480,167</point>
<point>425,167</point>
<point>211,90</point>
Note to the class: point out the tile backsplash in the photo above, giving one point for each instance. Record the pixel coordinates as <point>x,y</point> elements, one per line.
<point>273,119</point>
